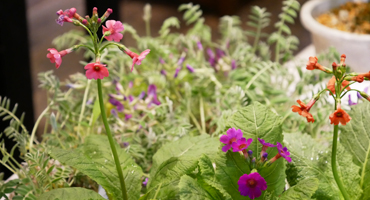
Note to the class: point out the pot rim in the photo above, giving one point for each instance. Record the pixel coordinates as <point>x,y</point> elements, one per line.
<point>310,23</point>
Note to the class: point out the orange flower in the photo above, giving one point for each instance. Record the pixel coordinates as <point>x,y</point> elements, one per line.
<point>342,59</point>
<point>339,116</point>
<point>311,64</point>
<point>304,110</point>
<point>367,75</point>
<point>331,85</point>
<point>358,78</point>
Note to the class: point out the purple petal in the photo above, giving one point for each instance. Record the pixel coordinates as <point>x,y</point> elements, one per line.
<point>163,72</point>
<point>177,72</point>
<point>114,112</point>
<point>226,148</point>
<point>141,96</point>
<point>200,46</point>
<point>181,60</point>
<point>233,64</point>
<point>191,69</point>
<point>224,139</point>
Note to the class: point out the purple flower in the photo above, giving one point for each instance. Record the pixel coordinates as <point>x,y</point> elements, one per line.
<point>200,46</point>
<point>181,60</point>
<point>177,72</point>
<point>128,116</point>
<point>241,144</point>
<point>265,144</point>
<point>359,95</point>
<point>114,112</point>
<point>141,95</point>
<point>152,94</point>
<point>264,155</point>
<point>163,72</point>
<point>250,153</point>
<point>251,185</point>
<point>118,85</point>
<point>350,100</point>
<point>130,98</point>
<point>116,103</point>
<point>89,101</point>
<point>126,144</point>
<point>212,59</point>
<point>219,53</point>
<point>232,136</point>
<point>146,181</point>
<point>233,64</point>
<point>161,61</point>
<point>191,69</point>
<point>283,152</point>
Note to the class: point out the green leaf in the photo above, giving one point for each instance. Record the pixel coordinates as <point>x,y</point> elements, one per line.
<point>285,29</point>
<point>191,189</point>
<point>176,159</point>
<point>355,136</point>
<point>95,159</point>
<point>302,191</point>
<point>74,193</point>
<point>310,158</point>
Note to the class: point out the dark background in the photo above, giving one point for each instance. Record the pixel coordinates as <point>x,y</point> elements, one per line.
<point>28,28</point>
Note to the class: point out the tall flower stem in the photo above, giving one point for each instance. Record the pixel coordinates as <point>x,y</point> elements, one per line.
<point>111,141</point>
<point>334,165</point>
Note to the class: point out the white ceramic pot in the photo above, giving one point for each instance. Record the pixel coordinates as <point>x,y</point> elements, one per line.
<point>355,46</point>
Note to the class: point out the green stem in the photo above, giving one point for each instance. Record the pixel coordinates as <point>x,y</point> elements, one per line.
<point>83,107</point>
<point>334,165</point>
<point>111,141</point>
<point>202,118</point>
<point>147,27</point>
<point>37,124</point>
<point>257,75</point>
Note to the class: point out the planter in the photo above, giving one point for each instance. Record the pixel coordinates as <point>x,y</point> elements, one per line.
<point>355,46</point>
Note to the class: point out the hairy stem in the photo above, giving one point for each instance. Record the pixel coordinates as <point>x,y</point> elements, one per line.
<point>111,141</point>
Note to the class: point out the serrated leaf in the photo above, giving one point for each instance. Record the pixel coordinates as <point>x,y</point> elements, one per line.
<point>258,121</point>
<point>176,159</point>
<point>74,193</point>
<point>302,191</point>
<point>191,189</point>
<point>355,136</point>
<point>95,159</point>
<point>310,158</point>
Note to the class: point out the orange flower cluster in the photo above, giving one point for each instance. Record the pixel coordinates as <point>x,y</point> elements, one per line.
<point>331,85</point>
<point>304,110</point>
<point>312,64</point>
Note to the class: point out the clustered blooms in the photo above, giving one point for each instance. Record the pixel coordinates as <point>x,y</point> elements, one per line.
<point>336,86</point>
<point>111,32</point>
<point>252,184</point>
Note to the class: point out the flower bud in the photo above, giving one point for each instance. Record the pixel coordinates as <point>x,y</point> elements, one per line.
<point>250,153</point>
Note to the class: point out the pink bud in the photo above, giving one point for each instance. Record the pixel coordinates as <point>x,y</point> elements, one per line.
<point>109,10</point>
<point>99,21</point>
<point>84,21</point>
<point>72,11</point>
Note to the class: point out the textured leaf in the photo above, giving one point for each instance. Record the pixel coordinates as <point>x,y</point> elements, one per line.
<point>311,158</point>
<point>302,191</point>
<point>258,121</point>
<point>191,189</point>
<point>74,193</point>
<point>355,136</point>
<point>176,159</point>
<point>95,159</point>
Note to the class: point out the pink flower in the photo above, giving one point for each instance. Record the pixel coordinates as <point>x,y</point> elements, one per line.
<point>232,136</point>
<point>65,16</point>
<point>114,27</point>
<point>56,57</point>
<point>241,144</point>
<point>96,71</point>
<point>136,59</point>
<point>251,185</point>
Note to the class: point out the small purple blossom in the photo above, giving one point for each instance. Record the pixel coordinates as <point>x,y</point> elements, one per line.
<point>232,136</point>
<point>283,152</point>
<point>152,94</point>
<point>233,64</point>
<point>65,16</point>
<point>181,60</point>
<point>212,59</point>
<point>219,53</point>
<point>251,185</point>
<point>250,153</point>
<point>161,61</point>
<point>126,144</point>
<point>241,144</point>
<point>116,103</point>
<point>264,155</point>
<point>145,181</point>
<point>190,68</point>
<point>163,72</point>
<point>177,72</point>
<point>350,100</point>
<point>89,101</point>
<point>118,86</point>
<point>265,144</point>
<point>114,112</point>
<point>141,95</point>
<point>200,46</point>
<point>128,116</point>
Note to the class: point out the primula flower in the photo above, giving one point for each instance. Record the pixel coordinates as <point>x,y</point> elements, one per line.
<point>251,185</point>
<point>241,144</point>
<point>232,136</point>
<point>339,116</point>
<point>136,59</point>
<point>65,16</point>
<point>96,71</point>
<point>114,27</point>
<point>152,95</point>
<point>282,152</point>
<point>265,145</point>
<point>350,101</point>
<point>304,110</point>
<point>56,57</point>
